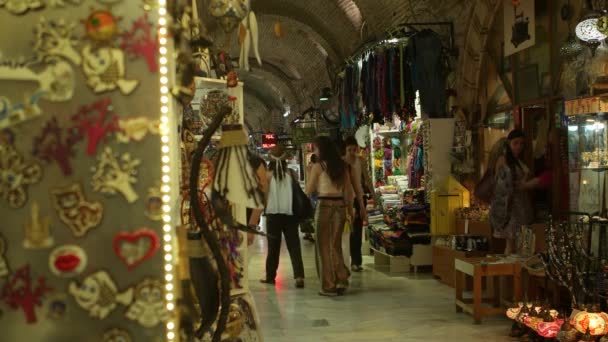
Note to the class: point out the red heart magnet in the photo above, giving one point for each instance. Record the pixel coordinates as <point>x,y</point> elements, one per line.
<point>133,248</point>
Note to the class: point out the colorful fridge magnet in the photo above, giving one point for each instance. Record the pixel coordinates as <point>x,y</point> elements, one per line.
<point>133,248</point>
<point>104,68</point>
<point>4,270</point>
<point>99,295</point>
<point>37,231</point>
<point>134,129</point>
<point>140,41</point>
<point>16,175</point>
<point>116,335</point>
<point>111,176</point>
<point>95,121</point>
<point>67,261</point>
<point>21,6</point>
<point>56,81</point>
<point>57,306</point>
<point>13,114</point>
<point>74,210</point>
<point>154,204</point>
<point>148,307</point>
<point>55,38</point>
<point>20,293</point>
<point>55,144</point>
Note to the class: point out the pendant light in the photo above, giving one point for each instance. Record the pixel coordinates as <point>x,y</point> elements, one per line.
<point>587,29</point>
<point>571,47</point>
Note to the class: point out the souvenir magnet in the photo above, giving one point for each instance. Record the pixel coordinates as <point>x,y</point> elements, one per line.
<point>74,210</point>
<point>116,335</point>
<point>37,232</point>
<point>67,261</point>
<point>154,204</point>
<point>16,175</point>
<point>56,80</point>
<point>19,292</point>
<point>136,247</point>
<point>99,295</point>
<point>57,306</point>
<point>11,115</point>
<point>111,176</point>
<point>62,3</point>
<point>133,129</point>
<point>56,38</point>
<point>148,307</point>
<point>104,68</point>
<point>52,145</point>
<point>21,6</point>
<point>98,126</point>
<point>140,41</point>
<point>4,271</point>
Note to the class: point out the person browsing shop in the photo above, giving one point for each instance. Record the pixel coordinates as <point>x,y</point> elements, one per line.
<point>280,219</point>
<point>510,206</point>
<point>331,179</point>
<point>359,218</point>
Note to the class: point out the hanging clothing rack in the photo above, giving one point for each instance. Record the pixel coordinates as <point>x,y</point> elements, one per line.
<point>402,32</point>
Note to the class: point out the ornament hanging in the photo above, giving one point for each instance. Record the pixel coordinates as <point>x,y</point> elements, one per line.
<point>20,293</point>
<point>16,175</point>
<point>278,30</point>
<point>133,248</point>
<point>99,295</point>
<point>154,204</point>
<point>148,307</point>
<point>37,231</point>
<point>250,24</point>
<point>74,210</point>
<point>67,261</point>
<point>229,13</point>
<point>104,65</point>
<point>140,41</point>
<point>111,176</point>
<point>95,122</point>
<point>52,145</point>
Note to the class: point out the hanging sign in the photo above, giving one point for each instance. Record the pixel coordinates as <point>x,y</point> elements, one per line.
<point>520,25</point>
<point>285,140</point>
<point>269,140</point>
<point>303,135</point>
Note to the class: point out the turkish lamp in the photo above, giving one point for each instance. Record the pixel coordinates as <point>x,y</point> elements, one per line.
<point>587,31</point>
<point>592,321</point>
<point>571,47</point>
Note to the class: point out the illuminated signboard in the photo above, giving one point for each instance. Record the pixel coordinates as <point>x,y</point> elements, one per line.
<point>269,140</point>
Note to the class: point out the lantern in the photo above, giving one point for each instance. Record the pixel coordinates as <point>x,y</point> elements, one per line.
<point>278,29</point>
<point>593,322</point>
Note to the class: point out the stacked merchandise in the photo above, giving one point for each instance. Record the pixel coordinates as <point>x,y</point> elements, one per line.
<point>389,197</point>
<point>403,228</point>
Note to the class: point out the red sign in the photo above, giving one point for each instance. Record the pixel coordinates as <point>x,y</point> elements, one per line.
<point>269,140</point>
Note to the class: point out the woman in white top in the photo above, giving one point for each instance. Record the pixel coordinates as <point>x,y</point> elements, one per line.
<point>280,219</point>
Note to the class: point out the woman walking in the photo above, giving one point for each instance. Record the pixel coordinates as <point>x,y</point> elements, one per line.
<point>510,207</point>
<point>331,180</point>
<point>280,219</point>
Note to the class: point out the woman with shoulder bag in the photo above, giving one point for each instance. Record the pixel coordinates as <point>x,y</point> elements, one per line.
<point>280,219</point>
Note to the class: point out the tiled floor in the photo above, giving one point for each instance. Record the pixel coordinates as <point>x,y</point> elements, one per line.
<point>378,307</point>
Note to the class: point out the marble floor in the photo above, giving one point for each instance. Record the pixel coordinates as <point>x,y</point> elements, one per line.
<point>378,307</point>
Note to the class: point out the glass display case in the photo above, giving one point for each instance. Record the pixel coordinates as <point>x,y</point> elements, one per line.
<point>588,159</point>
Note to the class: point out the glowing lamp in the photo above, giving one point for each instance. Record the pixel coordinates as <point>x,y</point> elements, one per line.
<point>593,322</point>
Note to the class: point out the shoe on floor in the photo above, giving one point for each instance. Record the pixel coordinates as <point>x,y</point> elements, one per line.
<point>267,281</point>
<point>356,268</point>
<point>327,294</point>
<point>340,291</point>
<point>300,283</point>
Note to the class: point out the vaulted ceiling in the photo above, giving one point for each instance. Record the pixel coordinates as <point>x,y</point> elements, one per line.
<point>318,35</point>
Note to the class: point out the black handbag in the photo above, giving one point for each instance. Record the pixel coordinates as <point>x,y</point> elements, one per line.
<point>301,206</point>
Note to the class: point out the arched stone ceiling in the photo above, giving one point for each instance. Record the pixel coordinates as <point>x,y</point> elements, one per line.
<point>322,32</point>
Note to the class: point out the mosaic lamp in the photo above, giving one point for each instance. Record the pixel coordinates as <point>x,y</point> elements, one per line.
<point>591,321</point>
<point>587,30</point>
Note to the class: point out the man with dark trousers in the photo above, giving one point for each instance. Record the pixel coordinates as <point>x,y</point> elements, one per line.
<point>360,215</point>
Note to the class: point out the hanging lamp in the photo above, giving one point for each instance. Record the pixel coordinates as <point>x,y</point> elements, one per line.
<point>572,46</point>
<point>587,28</point>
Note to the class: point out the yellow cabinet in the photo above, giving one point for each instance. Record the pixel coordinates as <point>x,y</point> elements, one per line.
<point>444,202</point>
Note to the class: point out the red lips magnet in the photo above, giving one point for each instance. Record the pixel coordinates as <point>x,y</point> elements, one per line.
<point>133,248</point>
<point>67,261</point>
